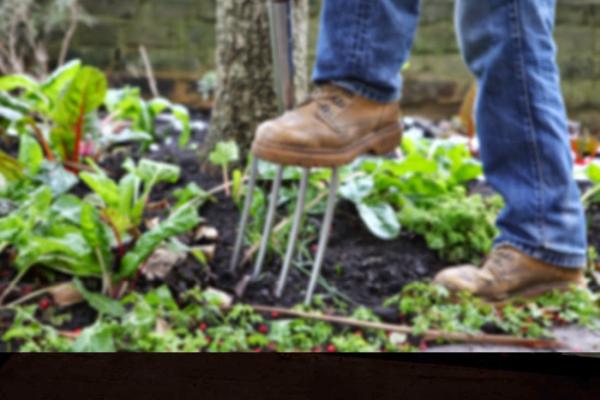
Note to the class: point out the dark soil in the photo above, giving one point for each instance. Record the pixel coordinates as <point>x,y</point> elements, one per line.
<point>362,267</point>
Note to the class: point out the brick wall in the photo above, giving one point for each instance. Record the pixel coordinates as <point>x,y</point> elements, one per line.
<point>179,36</point>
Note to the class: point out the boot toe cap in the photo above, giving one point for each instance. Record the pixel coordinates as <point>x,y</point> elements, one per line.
<point>459,278</point>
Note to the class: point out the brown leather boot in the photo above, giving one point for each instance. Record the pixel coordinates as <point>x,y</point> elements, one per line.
<point>332,128</point>
<point>509,273</point>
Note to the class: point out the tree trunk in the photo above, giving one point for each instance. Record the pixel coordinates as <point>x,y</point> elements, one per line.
<point>245,94</point>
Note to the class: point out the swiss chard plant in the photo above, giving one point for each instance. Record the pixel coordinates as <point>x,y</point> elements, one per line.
<point>57,111</point>
<point>63,114</point>
<point>127,105</point>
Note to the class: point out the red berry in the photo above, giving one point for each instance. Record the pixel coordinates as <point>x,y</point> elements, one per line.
<point>258,350</point>
<point>263,329</point>
<point>272,346</point>
<point>44,303</point>
<point>202,326</point>
<point>274,314</point>
<point>331,349</point>
<point>423,346</point>
<point>76,331</point>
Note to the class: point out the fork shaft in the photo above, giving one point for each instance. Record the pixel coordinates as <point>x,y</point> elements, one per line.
<point>239,241</point>
<point>324,237</point>
<point>293,233</point>
<point>264,243</point>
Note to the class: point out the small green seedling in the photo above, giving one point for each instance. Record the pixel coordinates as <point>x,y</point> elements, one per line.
<point>224,154</point>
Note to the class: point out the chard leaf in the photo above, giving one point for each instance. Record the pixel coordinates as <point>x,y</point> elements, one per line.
<point>98,338</point>
<point>381,220</point>
<point>18,81</point>
<point>183,220</point>
<point>192,192</point>
<point>96,234</point>
<point>67,208</point>
<point>182,115</point>
<point>357,189</point>
<point>59,79</point>
<point>30,154</point>
<point>225,153</point>
<point>152,172</point>
<point>103,186</point>
<point>102,304</point>
<point>83,94</point>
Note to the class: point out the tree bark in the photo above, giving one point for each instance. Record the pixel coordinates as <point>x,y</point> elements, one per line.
<point>245,95</point>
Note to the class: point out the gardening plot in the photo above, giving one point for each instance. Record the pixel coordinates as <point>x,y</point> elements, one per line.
<point>114,236</point>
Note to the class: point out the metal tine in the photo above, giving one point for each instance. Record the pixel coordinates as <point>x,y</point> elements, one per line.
<point>293,238</point>
<point>324,236</point>
<point>264,243</point>
<point>239,241</point>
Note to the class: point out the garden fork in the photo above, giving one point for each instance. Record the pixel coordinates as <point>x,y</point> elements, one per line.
<point>281,23</point>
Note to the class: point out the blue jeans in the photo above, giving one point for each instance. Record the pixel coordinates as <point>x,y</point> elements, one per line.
<point>521,118</point>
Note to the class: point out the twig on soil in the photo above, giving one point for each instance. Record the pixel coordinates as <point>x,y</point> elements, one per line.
<point>149,71</point>
<point>225,186</point>
<point>30,296</point>
<point>481,338</point>
<point>13,284</point>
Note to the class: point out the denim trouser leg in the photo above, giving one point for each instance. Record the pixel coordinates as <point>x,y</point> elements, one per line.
<point>521,117</point>
<point>364,43</point>
<point>522,126</point>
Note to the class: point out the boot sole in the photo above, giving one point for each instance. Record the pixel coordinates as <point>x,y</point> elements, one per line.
<point>379,142</point>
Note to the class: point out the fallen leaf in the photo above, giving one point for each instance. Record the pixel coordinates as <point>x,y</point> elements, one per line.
<point>160,263</point>
<point>162,326</point>
<point>208,251</point>
<point>224,300</point>
<point>206,233</point>
<point>152,223</point>
<point>65,294</point>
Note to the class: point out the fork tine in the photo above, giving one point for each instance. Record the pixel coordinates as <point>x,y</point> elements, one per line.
<point>239,241</point>
<point>264,244</point>
<point>324,236</point>
<point>291,247</point>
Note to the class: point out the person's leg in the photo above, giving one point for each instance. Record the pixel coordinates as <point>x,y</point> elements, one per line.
<point>522,126</point>
<point>363,44</point>
<point>362,47</point>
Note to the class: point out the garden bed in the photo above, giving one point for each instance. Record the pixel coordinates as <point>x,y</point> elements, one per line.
<point>125,224</point>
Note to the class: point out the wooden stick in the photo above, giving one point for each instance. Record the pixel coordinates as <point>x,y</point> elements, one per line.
<point>149,71</point>
<point>68,38</point>
<point>481,338</point>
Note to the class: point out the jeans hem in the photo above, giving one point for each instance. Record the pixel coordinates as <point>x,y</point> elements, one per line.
<point>559,259</point>
<point>367,91</point>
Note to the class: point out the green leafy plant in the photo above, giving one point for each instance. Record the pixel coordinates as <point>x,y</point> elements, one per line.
<point>128,105</point>
<point>123,202</point>
<point>458,227</point>
<point>427,306</point>
<point>592,196</point>
<point>61,113</point>
<point>223,155</point>
<point>56,111</point>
